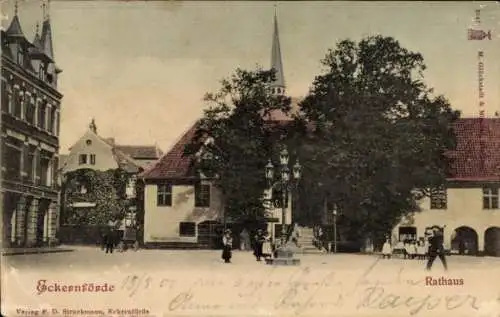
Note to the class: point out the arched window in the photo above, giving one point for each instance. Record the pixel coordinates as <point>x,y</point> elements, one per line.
<point>18,100</point>
<point>20,57</point>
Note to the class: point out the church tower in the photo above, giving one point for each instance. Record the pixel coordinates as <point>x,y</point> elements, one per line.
<point>278,86</point>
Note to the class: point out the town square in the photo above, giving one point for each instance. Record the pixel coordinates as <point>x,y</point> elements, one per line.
<point>173,158</point>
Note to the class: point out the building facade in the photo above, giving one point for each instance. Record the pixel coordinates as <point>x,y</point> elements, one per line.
<point>179,201</point>
<point>467,209</point>
<point>93,152</point>
<point>31,106</point>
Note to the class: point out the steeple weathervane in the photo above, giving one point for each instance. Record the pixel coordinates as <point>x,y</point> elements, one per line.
<point>16,7</point>
<point>278,86</point>
<point>93,126</point>
<point>44,11</point>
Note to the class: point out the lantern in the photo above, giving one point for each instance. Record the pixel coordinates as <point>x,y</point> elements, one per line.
<point>284,157</point>
<point>297,169</point>
<point>269,171</point>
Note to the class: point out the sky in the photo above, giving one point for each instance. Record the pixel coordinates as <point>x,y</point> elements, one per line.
<point>141,69</point>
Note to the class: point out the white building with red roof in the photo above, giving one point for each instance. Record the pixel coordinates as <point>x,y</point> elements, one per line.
<point>468,208</point>
<point>177,199</point>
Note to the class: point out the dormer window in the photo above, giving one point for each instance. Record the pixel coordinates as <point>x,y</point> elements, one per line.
<point>20,57</point>
<point>41,72</point>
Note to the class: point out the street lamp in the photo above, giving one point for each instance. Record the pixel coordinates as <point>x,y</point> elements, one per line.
<point>335,229</point>
<point>285,182</point>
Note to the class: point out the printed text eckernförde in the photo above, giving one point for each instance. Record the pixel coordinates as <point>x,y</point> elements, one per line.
<point>55,287</point>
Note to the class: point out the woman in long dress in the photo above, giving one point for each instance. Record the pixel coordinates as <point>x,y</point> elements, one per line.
<point>227,244</point>
<point>267,250</point>
<point>387,249</point>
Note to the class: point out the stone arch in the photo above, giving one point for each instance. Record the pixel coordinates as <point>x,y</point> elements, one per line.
<point>465,241</point>
<point>492,241</point>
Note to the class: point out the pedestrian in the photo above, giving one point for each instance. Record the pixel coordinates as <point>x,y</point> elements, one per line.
<point>421,251</point>
<point>436,249</point>
<point>387,249</point>
<point>227,244</point>
<point>110,243</point>
<point>244,240</point>
<point>296,235</point>
<point>259,241</point>
<point>267,250</point>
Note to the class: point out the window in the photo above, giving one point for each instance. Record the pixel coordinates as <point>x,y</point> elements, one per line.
<point>187,229</point>
<point>29,112</point>
<point>7,100</point>
<point>92,159</point>
<point>18,100</point>
<point>44,166</point>
<point>30,164</point>
<point>41,72</point>
<point>41,116</point>
<point>88,142</point>
<point>202,195</point>
<point>164,195</point>
<point>82,159</point>
<point>490,198</point>
<point>439,198</point>
<point>48,117</point>
<point>12,159</point>
<point>20,57</point>
<point>52,126</point>
<point>407,233</point>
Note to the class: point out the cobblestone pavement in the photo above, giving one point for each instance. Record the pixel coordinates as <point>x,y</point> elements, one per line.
<point>198,283</point>
<point>95,258</point>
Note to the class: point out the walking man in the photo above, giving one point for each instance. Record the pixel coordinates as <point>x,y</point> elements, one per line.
<point>436,249</point>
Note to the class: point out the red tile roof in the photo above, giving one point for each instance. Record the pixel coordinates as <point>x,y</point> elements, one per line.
<point>469,161</point>
<point>173,165</point>
<point>141,151</point>
<point>477,154</point>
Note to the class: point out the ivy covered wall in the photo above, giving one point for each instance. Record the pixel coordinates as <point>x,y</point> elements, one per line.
<point>107,189</point>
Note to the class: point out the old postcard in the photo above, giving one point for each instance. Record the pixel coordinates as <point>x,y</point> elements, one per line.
<point>260,158</point>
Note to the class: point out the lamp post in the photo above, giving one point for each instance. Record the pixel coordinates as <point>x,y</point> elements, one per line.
<point>285,181</point>
<point>335,229</point>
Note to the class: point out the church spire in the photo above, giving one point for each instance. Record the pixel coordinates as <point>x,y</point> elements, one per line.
<point>278,86</point>
<point>46,36</point>
<point>14,28</point>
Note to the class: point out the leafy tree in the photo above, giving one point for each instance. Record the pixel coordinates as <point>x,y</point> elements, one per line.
<point>241,140</point>
<point>105,188</point>
<point>379,137</point>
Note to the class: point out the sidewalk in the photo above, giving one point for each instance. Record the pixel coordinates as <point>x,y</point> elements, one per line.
<point>22,251</point>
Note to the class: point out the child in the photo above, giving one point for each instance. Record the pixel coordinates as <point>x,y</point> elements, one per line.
<point>409,251</point>
<point>386,249</point>
<point>421,250</point>
<point>414,248</point>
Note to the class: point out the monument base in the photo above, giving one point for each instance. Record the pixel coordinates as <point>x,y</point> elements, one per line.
<point>284,256</point>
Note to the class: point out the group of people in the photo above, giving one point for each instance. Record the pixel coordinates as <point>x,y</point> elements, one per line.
<point>262,246</point>
<point>412,249</point>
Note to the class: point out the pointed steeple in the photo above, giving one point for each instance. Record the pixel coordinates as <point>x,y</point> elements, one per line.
<point>14,28</point>
<point>37,41</point>
<point>46,37</point>
<point>278,85</point>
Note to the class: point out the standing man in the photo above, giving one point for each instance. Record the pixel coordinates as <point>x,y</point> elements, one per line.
<point>110,241</point>
<point>259,241</point>
<point>436,249</point>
